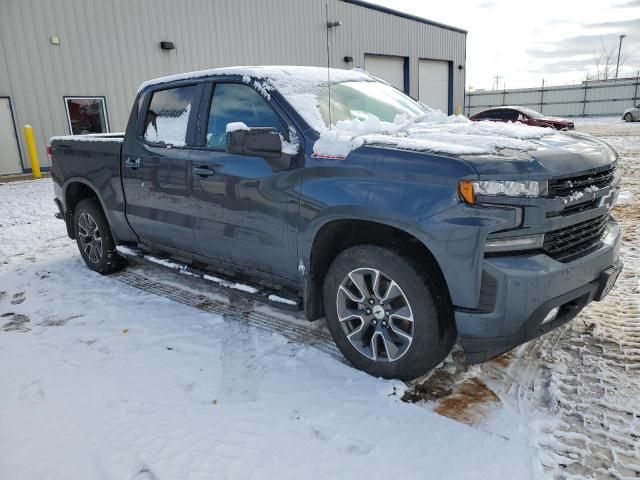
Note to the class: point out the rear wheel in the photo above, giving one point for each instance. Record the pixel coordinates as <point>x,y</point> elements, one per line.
<point>628,117</point>
<point>388,316</point>
<point>93,235</point>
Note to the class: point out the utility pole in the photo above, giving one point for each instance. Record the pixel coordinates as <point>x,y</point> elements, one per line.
<point>497,79</point>
<point>619,49</point>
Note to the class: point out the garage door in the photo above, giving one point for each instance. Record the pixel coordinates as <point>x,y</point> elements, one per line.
<point>434,84</point>
<point>388,68</point>
<point>9,153</point>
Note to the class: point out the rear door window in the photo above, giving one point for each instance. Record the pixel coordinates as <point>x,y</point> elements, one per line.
<point>170,111</point>
<point>234,102</point>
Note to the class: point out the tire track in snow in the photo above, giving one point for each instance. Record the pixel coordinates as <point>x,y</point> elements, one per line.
<point>587,374</point>
<point>290,327</point>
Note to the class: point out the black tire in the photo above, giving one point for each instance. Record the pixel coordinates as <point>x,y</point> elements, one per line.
<point>432,329</point>
<point>628,117</point>
<point>93,235</point>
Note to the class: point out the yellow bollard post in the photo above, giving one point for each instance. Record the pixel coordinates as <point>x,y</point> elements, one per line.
<point>33,153</point>
<point>458,110</point>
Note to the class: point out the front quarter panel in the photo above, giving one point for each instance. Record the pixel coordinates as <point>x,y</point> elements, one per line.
<point>396,188</point>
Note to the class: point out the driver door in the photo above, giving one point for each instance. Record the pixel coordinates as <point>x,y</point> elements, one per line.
<point>244,210</point>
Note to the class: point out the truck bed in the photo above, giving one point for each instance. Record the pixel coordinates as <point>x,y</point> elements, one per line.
<point>92,160</point>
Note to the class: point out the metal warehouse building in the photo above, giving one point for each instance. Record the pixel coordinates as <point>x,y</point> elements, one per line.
<point>74,66</point>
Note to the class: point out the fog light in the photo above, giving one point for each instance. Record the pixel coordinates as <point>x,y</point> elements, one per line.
<point>551,316</point>
<point>531,242</point>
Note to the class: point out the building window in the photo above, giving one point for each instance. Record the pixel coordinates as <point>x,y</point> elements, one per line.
<point>86,115</point>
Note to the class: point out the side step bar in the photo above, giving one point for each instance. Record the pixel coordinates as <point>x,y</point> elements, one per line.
<point>226,284</point>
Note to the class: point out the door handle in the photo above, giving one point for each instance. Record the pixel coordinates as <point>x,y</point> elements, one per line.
<point>203,171</point>
<point>133,164</point>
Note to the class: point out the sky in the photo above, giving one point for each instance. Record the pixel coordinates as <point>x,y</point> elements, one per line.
<point>524,42</point>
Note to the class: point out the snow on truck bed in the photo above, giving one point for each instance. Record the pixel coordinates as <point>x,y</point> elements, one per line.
<point>434,131</point>
<point>92,137</point>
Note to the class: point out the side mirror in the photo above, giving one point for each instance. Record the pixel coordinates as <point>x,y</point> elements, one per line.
<point>261,142</point>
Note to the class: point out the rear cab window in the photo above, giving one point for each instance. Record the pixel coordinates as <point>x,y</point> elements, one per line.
<point>169,113</point>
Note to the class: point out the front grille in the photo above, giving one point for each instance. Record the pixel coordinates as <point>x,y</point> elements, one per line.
<point>570,243</point>
<point>564,187</point>
<point>575,208</point>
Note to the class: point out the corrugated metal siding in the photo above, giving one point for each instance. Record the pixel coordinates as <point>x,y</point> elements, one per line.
<point>593,98</point>
<point>108,47</point>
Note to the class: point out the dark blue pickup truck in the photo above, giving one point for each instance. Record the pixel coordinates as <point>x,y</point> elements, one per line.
<point>404,228</point>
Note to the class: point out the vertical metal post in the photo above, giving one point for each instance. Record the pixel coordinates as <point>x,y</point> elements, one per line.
<point>635,93</point>
<point>33,152</point>
<point>584,99</point>
<point>619,49</point>
<point>542,95</point>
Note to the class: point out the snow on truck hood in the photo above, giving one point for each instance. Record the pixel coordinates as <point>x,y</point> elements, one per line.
<point>433,132</point>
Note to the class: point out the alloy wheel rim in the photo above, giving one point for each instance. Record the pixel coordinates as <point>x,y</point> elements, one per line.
<point>89,236</point>
<point>375,315</point>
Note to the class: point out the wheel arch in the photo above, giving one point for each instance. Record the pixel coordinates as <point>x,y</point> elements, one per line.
<point>336,235</point>
<point>74,190</point>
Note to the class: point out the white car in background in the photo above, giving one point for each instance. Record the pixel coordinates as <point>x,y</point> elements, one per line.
<point>632,114</point>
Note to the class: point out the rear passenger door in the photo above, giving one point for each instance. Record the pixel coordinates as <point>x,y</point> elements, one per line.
<point>244,209</point>
<point>156,172</point>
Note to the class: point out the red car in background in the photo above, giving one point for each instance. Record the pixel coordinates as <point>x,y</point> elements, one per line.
<point>522,115</point>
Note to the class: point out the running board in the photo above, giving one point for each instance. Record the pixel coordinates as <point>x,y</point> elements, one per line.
<point>226,284</point>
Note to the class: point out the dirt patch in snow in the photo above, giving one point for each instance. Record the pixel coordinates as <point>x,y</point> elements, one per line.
<point>503,360</point>
<point>456,395</point>
<point>625,211</point>
<point>437,386</point>
<point>469,403</point>
<point>16,323</point>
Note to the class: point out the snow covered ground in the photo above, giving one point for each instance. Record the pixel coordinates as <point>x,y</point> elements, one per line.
<point>148,374</point>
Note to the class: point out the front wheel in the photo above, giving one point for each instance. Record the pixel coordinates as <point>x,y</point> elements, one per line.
<point>628,117</point>
<point>388,315</point>
<point>93,235</point>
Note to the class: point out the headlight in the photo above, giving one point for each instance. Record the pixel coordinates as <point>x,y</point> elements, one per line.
<point>509,188</point>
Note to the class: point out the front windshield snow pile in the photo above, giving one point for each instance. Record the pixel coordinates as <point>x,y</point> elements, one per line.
<point>366,111</point>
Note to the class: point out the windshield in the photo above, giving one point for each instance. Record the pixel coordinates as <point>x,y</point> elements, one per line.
<point>531,113</point>
<point>364,100</point>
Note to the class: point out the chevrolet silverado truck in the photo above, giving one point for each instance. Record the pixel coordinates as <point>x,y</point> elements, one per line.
<point>404,228</point>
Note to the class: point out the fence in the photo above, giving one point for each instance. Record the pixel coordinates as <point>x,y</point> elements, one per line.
<point>589,98</point>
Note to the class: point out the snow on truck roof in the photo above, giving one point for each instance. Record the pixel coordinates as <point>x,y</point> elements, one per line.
<point>277,75</point>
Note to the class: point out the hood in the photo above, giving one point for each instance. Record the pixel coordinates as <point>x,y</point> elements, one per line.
<point>432,132</point>
<point>558,155</point>
<point>493,148</point>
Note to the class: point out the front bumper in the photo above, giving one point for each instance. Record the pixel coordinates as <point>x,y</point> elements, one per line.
<point>526,288</point>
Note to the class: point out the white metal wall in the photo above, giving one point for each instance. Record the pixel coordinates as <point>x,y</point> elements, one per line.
<point>434,84</point>
<point>592,98</point>
<point>390,69</point>
<point>108,47</point>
